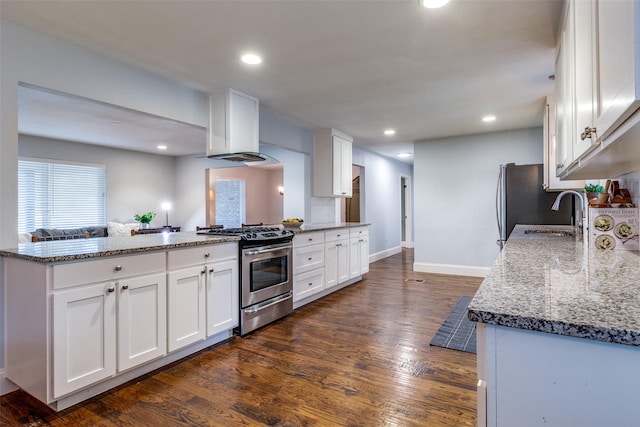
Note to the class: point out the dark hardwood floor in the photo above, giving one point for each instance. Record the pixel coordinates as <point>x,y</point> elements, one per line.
<point>359,357</point>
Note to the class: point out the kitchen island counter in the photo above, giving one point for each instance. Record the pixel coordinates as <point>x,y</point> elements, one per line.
<point>558,333</point>
<point>555,284</point>
<point>76,249</point>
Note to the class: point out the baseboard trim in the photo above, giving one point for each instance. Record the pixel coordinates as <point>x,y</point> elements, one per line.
<point>457,270</point>
<point>6,386</point>
<point>384,254</point>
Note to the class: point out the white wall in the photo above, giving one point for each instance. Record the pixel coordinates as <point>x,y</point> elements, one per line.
<point>455,185</point>
<point>136,182</point>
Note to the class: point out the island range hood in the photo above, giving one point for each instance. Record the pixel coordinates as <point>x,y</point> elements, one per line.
<point>233,127</point>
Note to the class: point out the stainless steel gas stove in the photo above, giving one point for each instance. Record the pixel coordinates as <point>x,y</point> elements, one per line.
<point>266,281</point>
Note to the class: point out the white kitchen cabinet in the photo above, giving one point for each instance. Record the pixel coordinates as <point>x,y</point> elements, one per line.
<point>541,379</point>
<point>551,182</point>
<point>605,64</point>
<point>201,279</point>
<point>223,309</point>
<point>233,123</point>
<point>186,316</point>
<point>336,249</point>
<point>142,319</point>
<point>308,284</point>
<point>358,252</point>
<point>564,79</point>
<point>110,326</point>
<point>84,337</point>
<point>332,170</point>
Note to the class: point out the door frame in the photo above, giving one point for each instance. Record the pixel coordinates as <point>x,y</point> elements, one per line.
<point>406,241</point>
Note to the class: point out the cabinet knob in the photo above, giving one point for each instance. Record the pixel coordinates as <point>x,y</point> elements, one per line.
<point>211,270</point>
<point>338,244</point>
<point>310,258</point>
<point>111,289</point>
<point>125,287</point>
<point>204,270</point>
<point>207,255</point>
<point>118,268</point>
<point>310,283</point>
<point>560,165</point>
<point>588,133</point>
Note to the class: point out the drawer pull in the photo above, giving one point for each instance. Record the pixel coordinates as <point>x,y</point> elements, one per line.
<point>111,289</point>
<point>207,255</point>
<point>125,287</point>
<point>310,283</point>
<point>211,270</point>
<point>310,258</point>
<point>118,268</point>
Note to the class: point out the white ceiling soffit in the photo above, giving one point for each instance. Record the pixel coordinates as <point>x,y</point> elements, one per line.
<point>358,66</point>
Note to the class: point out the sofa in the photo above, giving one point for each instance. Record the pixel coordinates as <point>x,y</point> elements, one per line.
<point>111,229</point>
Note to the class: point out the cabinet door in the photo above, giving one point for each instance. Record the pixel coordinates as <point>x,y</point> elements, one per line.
<point>186,303</point>
<point>222,296</point>
<point>354,257</point>
<point>364,254</point>
<point>583,68</point>
<point>617,56</point>
<point>343,261</point>
<point>142,319</point>
<point>342,167</point>
<point>84,337</point>
<point>565,114</point>
<point>330,265</point>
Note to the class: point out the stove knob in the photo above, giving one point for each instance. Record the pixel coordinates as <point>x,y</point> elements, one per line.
<point>255,235</point>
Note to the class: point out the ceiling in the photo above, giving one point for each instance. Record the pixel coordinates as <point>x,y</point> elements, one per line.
<point>359,66</point>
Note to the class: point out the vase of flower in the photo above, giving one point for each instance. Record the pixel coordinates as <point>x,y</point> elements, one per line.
<point>144,219</point>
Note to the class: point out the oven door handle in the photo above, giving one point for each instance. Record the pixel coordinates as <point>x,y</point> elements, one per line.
<point>263,251</point>
<point>261,306</point>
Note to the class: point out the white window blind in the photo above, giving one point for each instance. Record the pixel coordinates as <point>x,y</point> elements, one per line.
<point>60,195</point>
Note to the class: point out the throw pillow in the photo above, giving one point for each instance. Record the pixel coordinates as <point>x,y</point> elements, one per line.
<point>117,229</point>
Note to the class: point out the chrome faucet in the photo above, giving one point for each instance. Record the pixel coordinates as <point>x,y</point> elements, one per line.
<point>580,211</point>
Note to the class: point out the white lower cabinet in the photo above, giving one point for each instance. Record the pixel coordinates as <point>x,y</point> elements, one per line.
<point>107,327</point>
<point>203,293</point>
<point>186,306</point>
<point>358,252</point>
<point>84,337</point>
<point>79,328</point>
<point>336,254</point>
<point>222,296</point>
<point>307,284</point>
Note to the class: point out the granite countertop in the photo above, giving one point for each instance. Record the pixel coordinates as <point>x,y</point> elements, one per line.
<point>553,284</point>
<point>306,228</point>
<point>69,250</point>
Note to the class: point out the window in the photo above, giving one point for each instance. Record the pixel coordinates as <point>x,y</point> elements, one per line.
<point>60,195</point>
<point>230,202</point>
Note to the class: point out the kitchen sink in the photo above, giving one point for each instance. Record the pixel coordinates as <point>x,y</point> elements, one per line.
<point>560,233</point>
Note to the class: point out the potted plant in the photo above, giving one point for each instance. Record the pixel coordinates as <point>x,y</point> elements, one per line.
<point>593,190</point>
<point>144,219</point>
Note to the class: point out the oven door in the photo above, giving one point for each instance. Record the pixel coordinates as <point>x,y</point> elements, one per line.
<point>266,273</point>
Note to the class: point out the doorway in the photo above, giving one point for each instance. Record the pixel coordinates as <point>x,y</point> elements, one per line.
<point>406,240</point>
<point>351,207</point>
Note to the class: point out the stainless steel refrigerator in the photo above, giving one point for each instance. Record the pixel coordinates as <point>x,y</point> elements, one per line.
<point>520,199</point>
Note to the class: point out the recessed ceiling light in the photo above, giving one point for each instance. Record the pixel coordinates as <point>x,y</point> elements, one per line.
<point>402,155</point>
<point>433,4</point>
<point>489,118</point>
<point>161,147</point>
<point>251,59</point>
<point>389,132</point>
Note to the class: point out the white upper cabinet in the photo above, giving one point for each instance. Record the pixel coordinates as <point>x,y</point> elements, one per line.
<point>565,94</point>
<point>603,45</point>
<point>233,123</point>
<point>332,152</point>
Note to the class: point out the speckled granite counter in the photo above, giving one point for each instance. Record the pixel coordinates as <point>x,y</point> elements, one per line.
<point>557,285</point>
<point>69,250</point>
<point>306,228</point>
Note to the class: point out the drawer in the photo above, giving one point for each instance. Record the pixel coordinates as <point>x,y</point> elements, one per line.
<point>334,235</point>
<point>198,255</point>
<point>358,232</point>
<point>112,268</point>
<point>305,239</point>
<point>308,258</point>
<point>308,284</point>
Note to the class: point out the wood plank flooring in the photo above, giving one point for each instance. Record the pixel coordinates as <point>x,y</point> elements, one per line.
<point>359,357</point>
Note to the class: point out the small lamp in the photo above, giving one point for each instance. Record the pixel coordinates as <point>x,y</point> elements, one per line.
<point>166,206</point>
<point>281,190</point>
